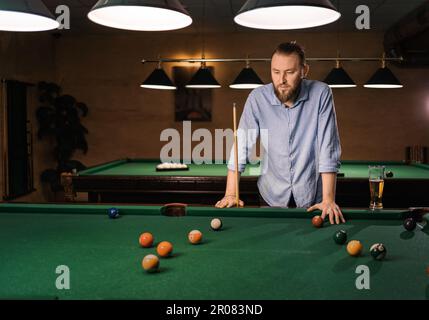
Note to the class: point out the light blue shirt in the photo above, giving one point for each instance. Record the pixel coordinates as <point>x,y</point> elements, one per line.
<point>297,143</point>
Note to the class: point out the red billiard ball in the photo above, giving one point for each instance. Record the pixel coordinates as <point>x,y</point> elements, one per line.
<point>164,249</point>
<point>146,240</point>
<point>317,221</point>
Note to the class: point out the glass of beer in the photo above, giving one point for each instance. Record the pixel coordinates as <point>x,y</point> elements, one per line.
<point>376,186</point>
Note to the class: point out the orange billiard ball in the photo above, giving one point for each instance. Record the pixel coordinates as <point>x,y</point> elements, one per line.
<point>146,240</point>
<point>354,248</point>
<point>195,236</point>
<point>150,263</point>
<point>317,221</point>
<point>164,248</point>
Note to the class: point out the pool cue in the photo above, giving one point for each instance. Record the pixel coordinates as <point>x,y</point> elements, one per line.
<point>234,116</point>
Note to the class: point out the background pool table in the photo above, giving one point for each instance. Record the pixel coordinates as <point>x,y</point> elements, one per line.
<point>137,181</point>
<point>261,253</point>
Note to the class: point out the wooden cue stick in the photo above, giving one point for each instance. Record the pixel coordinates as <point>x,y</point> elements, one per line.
<point>234,116</point>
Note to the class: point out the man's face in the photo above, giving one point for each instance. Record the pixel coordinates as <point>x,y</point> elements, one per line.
<point>286,73</point>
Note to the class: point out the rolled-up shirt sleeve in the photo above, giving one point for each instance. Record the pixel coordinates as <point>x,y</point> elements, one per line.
<point>328,136</point>
<point>247,134</point>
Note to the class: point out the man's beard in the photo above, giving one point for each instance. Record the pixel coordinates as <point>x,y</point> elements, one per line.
<point>285,96</point>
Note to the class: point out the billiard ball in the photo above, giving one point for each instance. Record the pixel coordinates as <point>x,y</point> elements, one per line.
<point>354,248</point>
<point>389,174</point>
<point>340,237</point>
<point>216,224</point>
<point>317,221</point>
<point>113,213</point>
<point>150,263</point>
<point>427,270</point>
<point>378,251</point>
<point>164,249</point>
<point>410,224</point>
<point>146,240</point>
<point>195,236</point>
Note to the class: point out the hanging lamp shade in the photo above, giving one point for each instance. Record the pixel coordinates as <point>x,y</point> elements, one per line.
<point>339,78</point>
<point>246,79</point>
<point>203,79</point>
<point>286,14</point>
<point>140,15</point>
<point>26,16</point>
<point>383,78</point>
<point>158,79</point>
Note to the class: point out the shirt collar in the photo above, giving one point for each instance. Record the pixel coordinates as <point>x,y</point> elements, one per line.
<point>303,94</point>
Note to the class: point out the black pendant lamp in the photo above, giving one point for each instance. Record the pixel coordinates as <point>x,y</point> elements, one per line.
<point>158,79</point>
<point>247,79</point>
<point>203,79</point>
<point>383,78</point>
<point>141,15</point>
<point>26,16</point>
<point>339,78</point>
<point>286,14</point>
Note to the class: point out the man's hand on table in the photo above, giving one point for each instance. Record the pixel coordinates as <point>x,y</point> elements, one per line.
<point>228,202</point>
<point>331,209</point>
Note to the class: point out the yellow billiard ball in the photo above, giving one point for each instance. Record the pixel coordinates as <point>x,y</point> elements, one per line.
<point>150,263</point>
<point>354,248</point>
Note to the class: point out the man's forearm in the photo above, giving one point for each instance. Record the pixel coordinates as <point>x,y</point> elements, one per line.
<point>231,183</point>
<point>329,182</point>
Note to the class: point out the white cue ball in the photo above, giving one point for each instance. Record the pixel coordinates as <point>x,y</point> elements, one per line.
<point>216,224</point>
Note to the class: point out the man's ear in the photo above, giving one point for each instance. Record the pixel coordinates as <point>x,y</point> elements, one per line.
<point>305,71</point>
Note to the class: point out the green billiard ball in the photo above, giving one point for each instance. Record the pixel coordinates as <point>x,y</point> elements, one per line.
<point>378,251</point>
<point>340,237</point>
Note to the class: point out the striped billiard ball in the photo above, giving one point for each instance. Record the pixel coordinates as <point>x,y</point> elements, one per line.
<point>378,251</point>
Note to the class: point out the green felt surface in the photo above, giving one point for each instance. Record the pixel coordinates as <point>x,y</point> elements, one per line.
<point>351,169</point>
<point>253,257</point>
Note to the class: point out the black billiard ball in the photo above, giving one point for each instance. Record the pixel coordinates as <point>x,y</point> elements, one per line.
<point>389,174</point>
<point>340,237</point>
<point>410,224</point>
<point>113,213</point>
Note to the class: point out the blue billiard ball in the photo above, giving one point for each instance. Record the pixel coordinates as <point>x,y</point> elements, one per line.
<point>113,213</point>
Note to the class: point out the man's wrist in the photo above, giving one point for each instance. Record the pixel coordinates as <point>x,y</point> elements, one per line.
<point>328,199</point>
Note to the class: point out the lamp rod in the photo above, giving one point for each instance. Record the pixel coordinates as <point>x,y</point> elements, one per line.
<point>266,60</point>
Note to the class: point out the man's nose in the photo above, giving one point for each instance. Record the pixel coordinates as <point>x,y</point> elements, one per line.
<point>284,78</point>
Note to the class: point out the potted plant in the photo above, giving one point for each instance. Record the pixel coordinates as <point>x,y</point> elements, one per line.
<point>59,117</point>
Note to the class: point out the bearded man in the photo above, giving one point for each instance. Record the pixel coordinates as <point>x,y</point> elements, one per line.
<point>301,155</point>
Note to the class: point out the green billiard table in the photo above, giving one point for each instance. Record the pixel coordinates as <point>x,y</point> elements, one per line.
<point>260,253</point>
<point>138,181</point>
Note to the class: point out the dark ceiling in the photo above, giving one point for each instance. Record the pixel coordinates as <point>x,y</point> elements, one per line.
<point>220,13</point>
